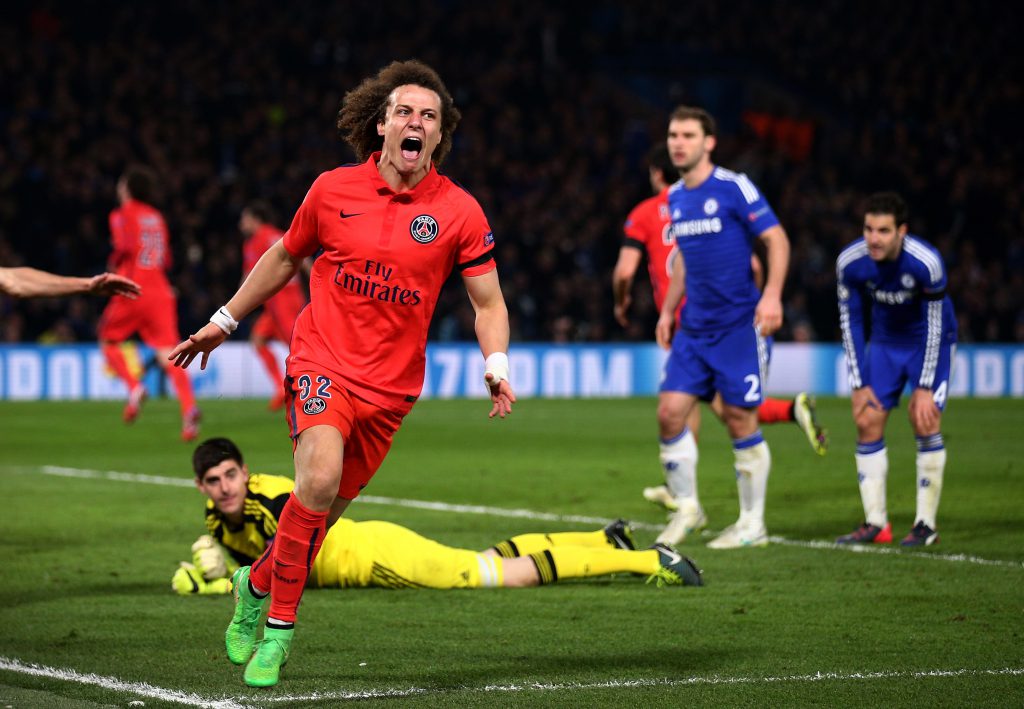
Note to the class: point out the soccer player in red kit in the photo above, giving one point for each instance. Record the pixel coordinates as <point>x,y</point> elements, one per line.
<point>389,231</point>
<point>647,231</point>
<point>142,253</point>
<point>280,311</point>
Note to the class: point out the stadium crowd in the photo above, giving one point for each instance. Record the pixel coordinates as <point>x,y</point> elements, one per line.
<point>233,101</point>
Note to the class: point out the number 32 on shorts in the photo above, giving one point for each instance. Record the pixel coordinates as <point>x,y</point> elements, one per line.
<point>314,404</point>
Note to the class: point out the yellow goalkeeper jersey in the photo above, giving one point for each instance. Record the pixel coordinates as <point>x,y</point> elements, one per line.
<point>354,554</point>
<point>263,504</point>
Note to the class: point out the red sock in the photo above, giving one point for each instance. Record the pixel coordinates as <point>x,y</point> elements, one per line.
<point>300,532</point>
<point>775,411</point>
<point>266,356</point>
<point>182,385</point>
<point>115,358</point>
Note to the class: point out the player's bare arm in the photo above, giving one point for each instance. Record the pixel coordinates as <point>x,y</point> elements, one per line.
<point>924,413</point>
<point>274,269</point>
<point>622,282</point>
<point>492,332</point>
<point>24,282</point>
<point>666,326</point>
<point>768,315</point>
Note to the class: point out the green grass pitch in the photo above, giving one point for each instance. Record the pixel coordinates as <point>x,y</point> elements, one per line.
<point>86,607</point>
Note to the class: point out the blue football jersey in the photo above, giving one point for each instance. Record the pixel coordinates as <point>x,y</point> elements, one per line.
<point>715,225</point>
<point>909,304</point>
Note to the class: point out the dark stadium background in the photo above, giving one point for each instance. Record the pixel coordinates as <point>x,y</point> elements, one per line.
<point>819,103</point>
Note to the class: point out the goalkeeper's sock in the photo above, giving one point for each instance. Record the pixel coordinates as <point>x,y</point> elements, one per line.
<point>678,457</point>
<point>872,470</point>
<point>526,544</point>
<point>561,563</point>
<point>931,464</point>
<point>300,533</point>
<point>775,411</point>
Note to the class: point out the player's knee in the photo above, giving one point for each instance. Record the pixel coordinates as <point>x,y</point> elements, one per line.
<point>671,418</point>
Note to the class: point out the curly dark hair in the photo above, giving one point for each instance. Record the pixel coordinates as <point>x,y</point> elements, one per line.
<point>364,106</point>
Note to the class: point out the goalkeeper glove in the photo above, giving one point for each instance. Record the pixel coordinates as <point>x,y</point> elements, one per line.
<point>188,580</point>
<point>211,560</point>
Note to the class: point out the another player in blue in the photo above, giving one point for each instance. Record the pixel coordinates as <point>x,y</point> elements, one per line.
<point>723,340</point>
<point>913,338</point>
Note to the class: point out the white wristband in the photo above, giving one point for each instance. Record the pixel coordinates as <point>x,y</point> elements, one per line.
<point>222,319</point>
<point>496,365</point>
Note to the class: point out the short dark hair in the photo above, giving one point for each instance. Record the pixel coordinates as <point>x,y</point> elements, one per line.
<point>659,159</point>
<point>261,209</point>
<point>707,121</point>
<point>887,203</point>
<point>364,106</point>
<point>141,182</point>
<point>212,452</point>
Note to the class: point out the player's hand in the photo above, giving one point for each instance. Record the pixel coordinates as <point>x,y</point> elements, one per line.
<point>113,284</point>
<point>863,399</point>
<point>664,330</point>
<point>621,310</point>
<point>768,315</point>
<point>187,580</point>
<point>209,558</point>
<point>924,412</point>
<point>502,396</point>
<point>205,341</point>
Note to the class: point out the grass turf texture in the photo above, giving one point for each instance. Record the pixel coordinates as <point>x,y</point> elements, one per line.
<point>87,567</point>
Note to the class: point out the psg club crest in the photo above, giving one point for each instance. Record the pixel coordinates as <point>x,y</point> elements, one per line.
<point>423,229</point>
<point>710,206</point>
<point>314,405</point>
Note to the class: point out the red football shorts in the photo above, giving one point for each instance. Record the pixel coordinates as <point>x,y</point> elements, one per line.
<point>367,429</point>
<point>277,320</point>
<point>154,317</point>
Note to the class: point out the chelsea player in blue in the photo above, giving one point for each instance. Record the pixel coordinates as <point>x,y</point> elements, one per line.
<point>723,340</point>
<point>913,339</point>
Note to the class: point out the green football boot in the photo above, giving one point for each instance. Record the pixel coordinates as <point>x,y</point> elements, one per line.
<point>270,656</point>
<point>240,637</point>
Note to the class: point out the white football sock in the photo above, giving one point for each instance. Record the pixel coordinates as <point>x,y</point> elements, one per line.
<point>679,461</point>
<point>930,467</point>
<point>872,470</point>
<point>753,464</point>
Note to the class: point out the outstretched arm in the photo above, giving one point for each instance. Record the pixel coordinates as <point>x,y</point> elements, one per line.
<point>274,269</point>
<point>492,332</point>
<point>32,283</point>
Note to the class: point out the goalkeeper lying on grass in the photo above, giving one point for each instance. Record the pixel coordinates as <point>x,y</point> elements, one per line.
<point>241,518</point>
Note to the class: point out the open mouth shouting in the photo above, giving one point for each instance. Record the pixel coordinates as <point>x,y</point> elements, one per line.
<point>412,147</point>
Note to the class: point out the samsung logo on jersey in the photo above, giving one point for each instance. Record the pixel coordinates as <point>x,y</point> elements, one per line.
<point>696,227</point>
<point>892,297</point>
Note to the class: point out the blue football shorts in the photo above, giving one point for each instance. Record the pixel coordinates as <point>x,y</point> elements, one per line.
<point>732,362</point>
<point>892,368</point>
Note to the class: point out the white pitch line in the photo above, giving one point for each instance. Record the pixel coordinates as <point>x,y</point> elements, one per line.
<point>113,683</point>
<point>543,516</point>
<point>666,682</point>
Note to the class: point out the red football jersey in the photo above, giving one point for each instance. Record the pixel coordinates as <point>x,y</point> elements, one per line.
<point>141,244</point>
<point>374,286</point>
<point>648,228</point>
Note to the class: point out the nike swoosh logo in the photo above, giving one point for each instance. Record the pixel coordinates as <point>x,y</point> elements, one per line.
<point>346,216</point>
